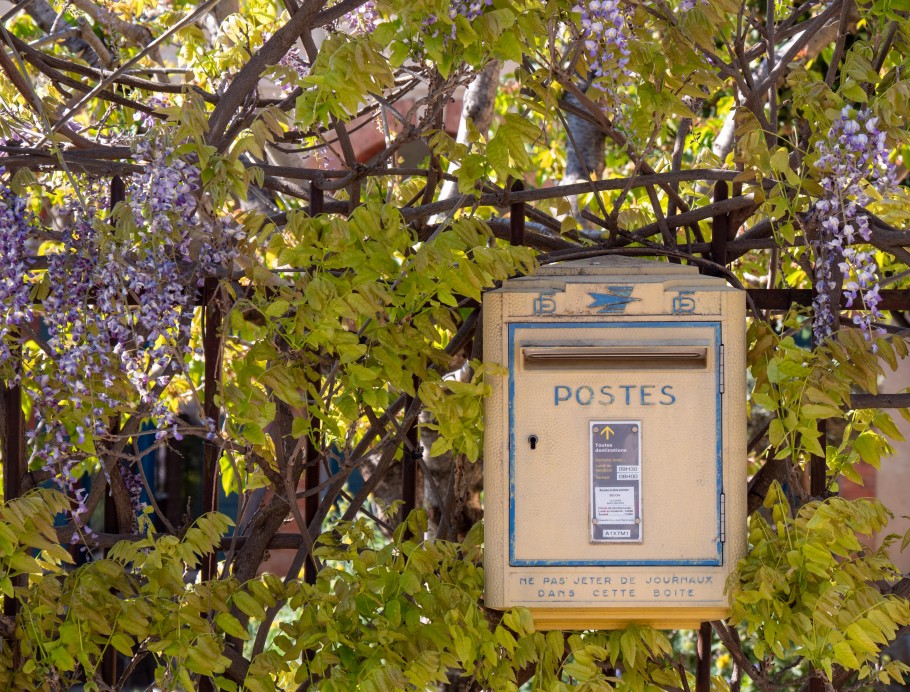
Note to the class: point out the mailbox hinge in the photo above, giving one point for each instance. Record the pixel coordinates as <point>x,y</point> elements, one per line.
<point>723,518</point>
<point>720,369</point>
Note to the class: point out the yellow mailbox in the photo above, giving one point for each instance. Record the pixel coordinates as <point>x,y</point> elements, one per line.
<point>614,453</point>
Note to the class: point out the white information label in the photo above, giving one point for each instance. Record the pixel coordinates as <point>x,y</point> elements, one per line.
<point>615,505</point>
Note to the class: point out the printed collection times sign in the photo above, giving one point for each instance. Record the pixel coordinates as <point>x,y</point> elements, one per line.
<point>616,481</point>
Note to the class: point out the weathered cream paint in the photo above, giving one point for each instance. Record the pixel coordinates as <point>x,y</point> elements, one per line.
<point>893,478</point>
<point>675,576</point>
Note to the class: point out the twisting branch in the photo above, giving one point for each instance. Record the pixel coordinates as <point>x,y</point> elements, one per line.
<point>20,81</point>
<point>136,34</point>
<point>147,50</point>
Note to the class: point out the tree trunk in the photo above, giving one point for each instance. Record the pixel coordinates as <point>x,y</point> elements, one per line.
<point>585,150</point>
<point>477,106</point>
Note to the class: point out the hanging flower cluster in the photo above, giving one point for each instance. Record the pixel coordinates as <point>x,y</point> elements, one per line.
<point>469,9</point>
<point>605,38</point>
<point>118,311</point>
<point>293,61</point>
<point>15,285</point>
<point>133,483</point>
<point>853,156</point>
<point>363,19</point>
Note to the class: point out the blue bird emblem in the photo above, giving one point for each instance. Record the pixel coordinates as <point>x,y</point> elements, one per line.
<point>615,301</point>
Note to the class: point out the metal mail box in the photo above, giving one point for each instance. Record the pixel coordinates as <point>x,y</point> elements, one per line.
<point>614,450</point>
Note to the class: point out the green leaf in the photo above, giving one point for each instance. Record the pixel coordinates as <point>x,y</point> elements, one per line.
<point>886,425</point>
<point>498,157</point>
<point>277,308</point>
<point>440,446</point>
<point>248,605</point>
<point>231,625</point>
<point>820,411</point>
<point>629,644</point>
<point>123,643</point>
<point>862,641</point>
<point>868,446</point>
<point>776,432</point>
<point>580,671</point>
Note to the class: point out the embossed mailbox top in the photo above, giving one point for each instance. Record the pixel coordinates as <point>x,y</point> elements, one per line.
<point>614,453</point>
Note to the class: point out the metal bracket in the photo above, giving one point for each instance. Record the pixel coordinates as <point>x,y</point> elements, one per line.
<point>723,518</point>
<point>720,369</point>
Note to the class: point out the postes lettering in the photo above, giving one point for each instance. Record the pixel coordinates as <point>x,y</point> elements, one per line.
<point>610,394</point>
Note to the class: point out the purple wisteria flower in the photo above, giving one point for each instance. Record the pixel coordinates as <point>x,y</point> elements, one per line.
<point>853,156</point>
<point>118,312</point>
<point>134,487</point>
<point>293,61</point>
<point>605,37</point>
<point>15,285</point>
<point>686,5</point>
<point>469,9</point>
<point>363,19</point>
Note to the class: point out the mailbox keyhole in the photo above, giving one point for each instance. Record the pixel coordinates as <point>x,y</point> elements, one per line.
<point>532,440</point>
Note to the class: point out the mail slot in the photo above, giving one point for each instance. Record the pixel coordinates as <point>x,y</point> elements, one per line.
<point>616,357</point>
<point>614,451</point>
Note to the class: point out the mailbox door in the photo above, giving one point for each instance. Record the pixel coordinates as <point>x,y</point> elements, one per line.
<point>615,449</point>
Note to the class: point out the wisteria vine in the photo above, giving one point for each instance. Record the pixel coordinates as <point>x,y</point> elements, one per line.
<point>853,156</point>
<point>16,223</point>
<point>363,19</point>
<point>468,9</point>
<point>117,314</point>
<point>604,33</point>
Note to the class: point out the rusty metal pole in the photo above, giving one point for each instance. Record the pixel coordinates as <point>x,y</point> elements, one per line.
<point>818,469</point>
<point>211,345</point>
<point>109,663</point>
<point>517,217</point>
<point>317,199</point>
<point>12,439</point>
<point>311,503</point>
<point>111,525</point>
<point>311,474</point>
<point>720,227</point>
<point>818,466</point>
<point>703,658</point>
<point>409,454</point>
<point>720,234</point>
<point>12,444</point>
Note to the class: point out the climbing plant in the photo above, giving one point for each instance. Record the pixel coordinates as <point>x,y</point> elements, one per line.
<point>245,243</point>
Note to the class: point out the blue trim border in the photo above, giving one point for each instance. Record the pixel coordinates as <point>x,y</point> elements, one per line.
<point>699,562</point>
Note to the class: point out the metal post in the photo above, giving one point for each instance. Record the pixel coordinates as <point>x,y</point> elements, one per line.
<point>111,521</point>
<point>311,503</point>
<point>703,660</point>
<point>12,439</point>
<point>111,525</point>
<point>311,475</point>
<point>211,344</point>
<point>818,466</point>
<point>211,347</point>
<point>517,217</point>
<point>12,444</point>
<point>720,227</point>
<point>818,469</point>
<point>317,199</point>
<point>409,467</point>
